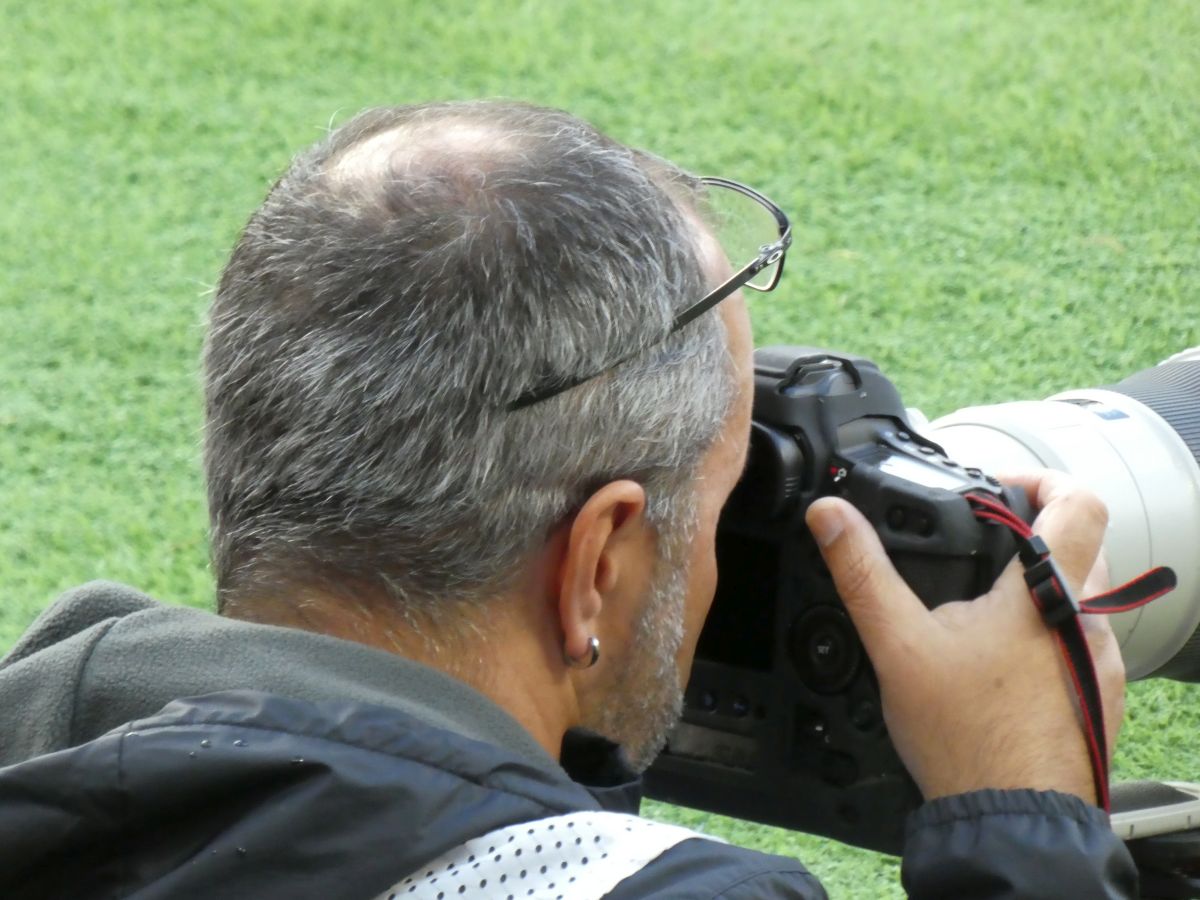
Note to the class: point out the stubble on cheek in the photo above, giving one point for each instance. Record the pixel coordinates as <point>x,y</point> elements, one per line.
<point>643,698</point>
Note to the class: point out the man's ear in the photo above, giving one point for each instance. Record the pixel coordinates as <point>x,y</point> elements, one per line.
<point>609,556</point>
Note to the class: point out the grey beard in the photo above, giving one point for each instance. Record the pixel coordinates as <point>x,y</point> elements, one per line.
<point>645,698</point>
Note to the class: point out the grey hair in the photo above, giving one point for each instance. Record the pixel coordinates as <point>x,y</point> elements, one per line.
<point>404,280</point>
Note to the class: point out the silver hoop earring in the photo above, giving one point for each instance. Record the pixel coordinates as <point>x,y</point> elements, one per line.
<point>588,659</point>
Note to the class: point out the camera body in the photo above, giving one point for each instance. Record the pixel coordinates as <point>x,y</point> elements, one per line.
<point>782,720</point>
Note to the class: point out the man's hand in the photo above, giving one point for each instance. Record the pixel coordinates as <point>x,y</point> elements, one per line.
<point>976,694</point>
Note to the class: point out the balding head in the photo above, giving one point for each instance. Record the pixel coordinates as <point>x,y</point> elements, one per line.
<point>403,282</point>
<point>440,145</point>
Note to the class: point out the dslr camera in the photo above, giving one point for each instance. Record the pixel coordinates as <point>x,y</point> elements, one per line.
<point>782,721</point>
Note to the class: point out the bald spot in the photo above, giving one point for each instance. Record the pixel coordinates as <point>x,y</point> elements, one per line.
<point>455,147</point>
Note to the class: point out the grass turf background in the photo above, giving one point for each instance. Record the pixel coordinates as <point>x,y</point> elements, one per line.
<point>995,201</point>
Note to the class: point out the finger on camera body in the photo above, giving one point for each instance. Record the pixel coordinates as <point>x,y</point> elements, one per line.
<point>879,601</point>
<point>953,669</point>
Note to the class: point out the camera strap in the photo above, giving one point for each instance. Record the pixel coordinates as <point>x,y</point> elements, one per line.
<point>1060,610</point>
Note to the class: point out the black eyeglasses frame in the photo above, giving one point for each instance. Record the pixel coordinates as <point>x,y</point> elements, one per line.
<point>768,255</point>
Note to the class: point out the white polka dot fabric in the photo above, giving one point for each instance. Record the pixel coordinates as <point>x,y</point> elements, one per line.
<point>581,856</point>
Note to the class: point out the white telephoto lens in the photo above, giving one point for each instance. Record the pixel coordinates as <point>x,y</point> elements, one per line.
<point>1136,444</point>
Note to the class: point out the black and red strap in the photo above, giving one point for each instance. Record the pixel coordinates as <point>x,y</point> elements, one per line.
<point>1060,611</point>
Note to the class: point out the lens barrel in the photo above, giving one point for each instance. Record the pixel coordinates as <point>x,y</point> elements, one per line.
<point>1172,390</point>
<point>1136,444</point>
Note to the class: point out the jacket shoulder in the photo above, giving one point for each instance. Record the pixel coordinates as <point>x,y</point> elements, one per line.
<point>706,869</point>
<point>592,854</point>
<point>245,790</point>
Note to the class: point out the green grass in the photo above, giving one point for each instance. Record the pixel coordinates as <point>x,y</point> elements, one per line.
<point>994,201</point>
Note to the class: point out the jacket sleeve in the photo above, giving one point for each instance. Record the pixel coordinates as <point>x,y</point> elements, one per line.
<point>1015,844</point>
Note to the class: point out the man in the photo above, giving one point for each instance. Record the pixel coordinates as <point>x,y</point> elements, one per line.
<point>478,384</point>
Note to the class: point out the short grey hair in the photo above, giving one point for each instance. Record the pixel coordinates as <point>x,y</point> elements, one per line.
<point>404,280</point>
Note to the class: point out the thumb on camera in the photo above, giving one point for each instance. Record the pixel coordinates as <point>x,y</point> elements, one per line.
<point>883,607</point>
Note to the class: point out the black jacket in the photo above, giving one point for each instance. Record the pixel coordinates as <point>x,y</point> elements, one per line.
<point>156,751</point>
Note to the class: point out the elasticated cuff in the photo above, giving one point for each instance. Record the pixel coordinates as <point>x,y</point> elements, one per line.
<point>1033,845</point>
<point>979,804</point>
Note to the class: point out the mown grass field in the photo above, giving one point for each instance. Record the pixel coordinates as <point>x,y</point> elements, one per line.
<point>995,201</point>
